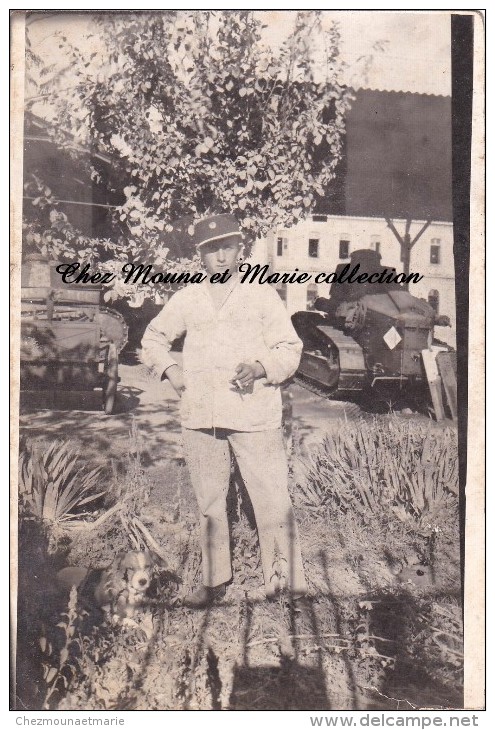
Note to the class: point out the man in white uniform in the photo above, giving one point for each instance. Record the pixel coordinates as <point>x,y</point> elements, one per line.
<point>239,347</point>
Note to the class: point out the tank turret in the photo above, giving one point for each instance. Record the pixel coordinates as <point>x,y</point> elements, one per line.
<point>366,340</point>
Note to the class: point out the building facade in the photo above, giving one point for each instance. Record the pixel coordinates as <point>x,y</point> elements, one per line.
<point>396,165</point>
<point>321,243</point>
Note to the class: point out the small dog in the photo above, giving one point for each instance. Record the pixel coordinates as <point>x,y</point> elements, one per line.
<point>118,589</point>
<point>123,585</point>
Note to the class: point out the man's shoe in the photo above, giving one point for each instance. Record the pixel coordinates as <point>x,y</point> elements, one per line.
<point>298,595</point>
<point>204,596</point>
<point>287,595</point>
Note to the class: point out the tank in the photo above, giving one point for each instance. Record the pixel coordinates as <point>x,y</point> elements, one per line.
<point>365,343</point>
<point>69,342</point>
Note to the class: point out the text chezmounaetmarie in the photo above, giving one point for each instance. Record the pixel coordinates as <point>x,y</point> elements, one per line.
<point>133,273</point>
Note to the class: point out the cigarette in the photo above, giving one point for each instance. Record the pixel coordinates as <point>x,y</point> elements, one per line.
<point>240,388</point>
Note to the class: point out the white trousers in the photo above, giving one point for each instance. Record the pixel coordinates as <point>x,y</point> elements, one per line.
<point>262,463</point>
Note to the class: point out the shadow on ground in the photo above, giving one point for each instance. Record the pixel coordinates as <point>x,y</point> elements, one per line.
<point>141,401</point>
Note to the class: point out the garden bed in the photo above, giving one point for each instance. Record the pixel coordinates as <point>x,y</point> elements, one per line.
<point>377,509</point>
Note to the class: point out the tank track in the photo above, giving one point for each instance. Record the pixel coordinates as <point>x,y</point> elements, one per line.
<point>350,408</point>
<point>351,378</point>
<point>312,386</point>
<point>121,333</point>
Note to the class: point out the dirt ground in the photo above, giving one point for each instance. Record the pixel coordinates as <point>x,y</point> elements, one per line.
<point>254,654</point>
<point>153,406</point>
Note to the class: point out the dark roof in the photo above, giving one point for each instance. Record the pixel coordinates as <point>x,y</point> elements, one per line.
<point>396,162</point>
<point>398,155</point>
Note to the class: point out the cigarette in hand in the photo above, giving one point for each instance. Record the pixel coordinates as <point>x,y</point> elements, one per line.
<point>239,386</point>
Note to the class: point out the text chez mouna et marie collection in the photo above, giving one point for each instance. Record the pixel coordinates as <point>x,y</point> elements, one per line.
<point>132,273</point>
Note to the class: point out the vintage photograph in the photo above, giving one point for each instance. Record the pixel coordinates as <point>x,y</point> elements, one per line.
<point>242,369</point>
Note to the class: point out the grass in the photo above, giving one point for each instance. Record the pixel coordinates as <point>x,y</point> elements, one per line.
<point>54,484</point>
<point>386,465</point>
<point>377,494</point>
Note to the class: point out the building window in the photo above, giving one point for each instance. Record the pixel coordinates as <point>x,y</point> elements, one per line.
<point>344,245</point>
<point>311,296</point>
<point>375,243</point>
<point>313,245</point>
<point>434,300</point>
<point>435,251</point>
<point>282,292</point>
<point>320,218</point>
<point>281,246</point>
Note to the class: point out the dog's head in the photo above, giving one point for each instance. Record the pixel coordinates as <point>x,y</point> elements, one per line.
<point>135,567</point>
<point>124,584</point>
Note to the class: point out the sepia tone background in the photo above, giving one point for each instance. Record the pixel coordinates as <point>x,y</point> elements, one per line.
<point>409,178</point>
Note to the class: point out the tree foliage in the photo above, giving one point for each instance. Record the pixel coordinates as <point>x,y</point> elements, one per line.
<point>201,113</point>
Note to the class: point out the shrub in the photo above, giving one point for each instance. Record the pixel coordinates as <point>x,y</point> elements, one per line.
<point>52,484</point>
<point>372,467</point>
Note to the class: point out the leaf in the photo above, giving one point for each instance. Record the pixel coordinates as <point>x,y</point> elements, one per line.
<point>51,675</point>
<point>189,139</point>
<point>366,605</point>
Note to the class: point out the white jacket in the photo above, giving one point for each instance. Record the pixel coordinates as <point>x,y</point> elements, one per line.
<point>251,324</point>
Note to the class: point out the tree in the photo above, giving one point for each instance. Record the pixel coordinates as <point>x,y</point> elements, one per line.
<point>201,116</point>
<point>406,243</point>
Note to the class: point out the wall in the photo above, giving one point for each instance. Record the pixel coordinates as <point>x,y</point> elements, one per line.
<point>363,233</point>
<point>398,156</point>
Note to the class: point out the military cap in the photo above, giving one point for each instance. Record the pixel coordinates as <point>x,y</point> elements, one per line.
<point>214,228</point>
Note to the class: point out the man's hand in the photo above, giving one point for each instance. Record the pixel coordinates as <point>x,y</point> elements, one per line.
<point>174,374</point>
<point>246,374</point>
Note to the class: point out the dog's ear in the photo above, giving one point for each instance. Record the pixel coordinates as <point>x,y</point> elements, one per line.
<point>121,559</point>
